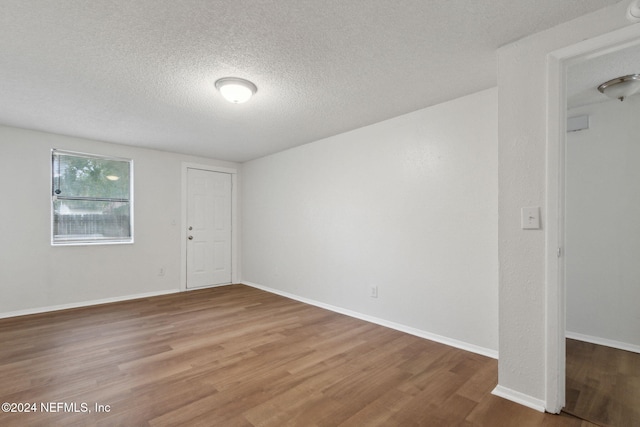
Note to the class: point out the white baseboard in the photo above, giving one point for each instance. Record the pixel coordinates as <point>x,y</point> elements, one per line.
<point>206,287</point>
<point>84,303</point>
<point>382,322</point>
<point>520,398</point>
<point>603,341</point>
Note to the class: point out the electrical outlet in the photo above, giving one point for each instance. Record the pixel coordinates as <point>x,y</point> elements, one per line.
<point>161,271</point>
<point>373,291</point>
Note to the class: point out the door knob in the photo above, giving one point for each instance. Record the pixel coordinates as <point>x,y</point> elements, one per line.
<point>190,237</point>
<point>190,228</point>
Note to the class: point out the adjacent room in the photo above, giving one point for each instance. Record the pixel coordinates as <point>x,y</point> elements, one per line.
<point>259,213</point>
<point>602,276</point>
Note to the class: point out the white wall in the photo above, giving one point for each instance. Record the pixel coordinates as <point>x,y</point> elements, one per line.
<point>523,92</point>
<point>408,205</point>
<point>603,224</point>
<point>35,275</point>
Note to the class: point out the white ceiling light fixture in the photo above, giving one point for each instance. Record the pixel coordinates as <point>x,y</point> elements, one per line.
<point>621,87</point>
<point>633,11</point>
<point>236,90</point>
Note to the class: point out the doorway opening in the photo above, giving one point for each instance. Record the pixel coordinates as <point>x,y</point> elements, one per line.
<point>556,304</point>
<point>602,243</point>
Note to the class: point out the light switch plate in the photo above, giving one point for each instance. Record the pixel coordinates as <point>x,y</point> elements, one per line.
<point>531,218</point>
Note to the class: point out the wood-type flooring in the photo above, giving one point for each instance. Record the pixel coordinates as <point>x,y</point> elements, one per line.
<point>238,356</point>
<point>603,384</point>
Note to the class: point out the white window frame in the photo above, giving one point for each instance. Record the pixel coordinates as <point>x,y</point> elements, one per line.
<point>88,241</point>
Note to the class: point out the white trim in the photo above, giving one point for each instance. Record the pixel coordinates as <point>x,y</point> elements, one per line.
<point>212,168</point>
<point>604,341</point>
<point>554,237</point>
<point>517,397</point>
<point>85,303</point>
<point>218,285</point>
<point>555,305</point>
<point>397,326</point>
<point>235,218</point>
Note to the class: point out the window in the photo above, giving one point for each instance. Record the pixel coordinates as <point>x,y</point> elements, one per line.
<point>91,199</point>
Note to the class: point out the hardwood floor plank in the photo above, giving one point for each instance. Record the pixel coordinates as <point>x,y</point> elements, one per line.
<point>237,356</point>
<point>603,384</point>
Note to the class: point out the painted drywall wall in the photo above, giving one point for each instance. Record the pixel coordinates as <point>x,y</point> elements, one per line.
<point>602,223</point>
<point>35,275</point>
<point>407,205</point>
<point>522,100</point>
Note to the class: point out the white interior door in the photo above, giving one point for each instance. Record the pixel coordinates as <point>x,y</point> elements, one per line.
<point>208,228</point>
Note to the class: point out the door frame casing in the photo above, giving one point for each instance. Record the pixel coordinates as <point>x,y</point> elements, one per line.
<point>555,290</point>
<point>234,220</point>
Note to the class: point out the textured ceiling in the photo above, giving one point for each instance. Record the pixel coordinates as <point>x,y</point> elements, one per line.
<point>141,72</point>
<point>584,78</point>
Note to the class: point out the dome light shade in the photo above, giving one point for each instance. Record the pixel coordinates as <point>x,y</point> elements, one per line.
<point>236,90</point>
<point>633,11</point>
<point>621,87</point>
